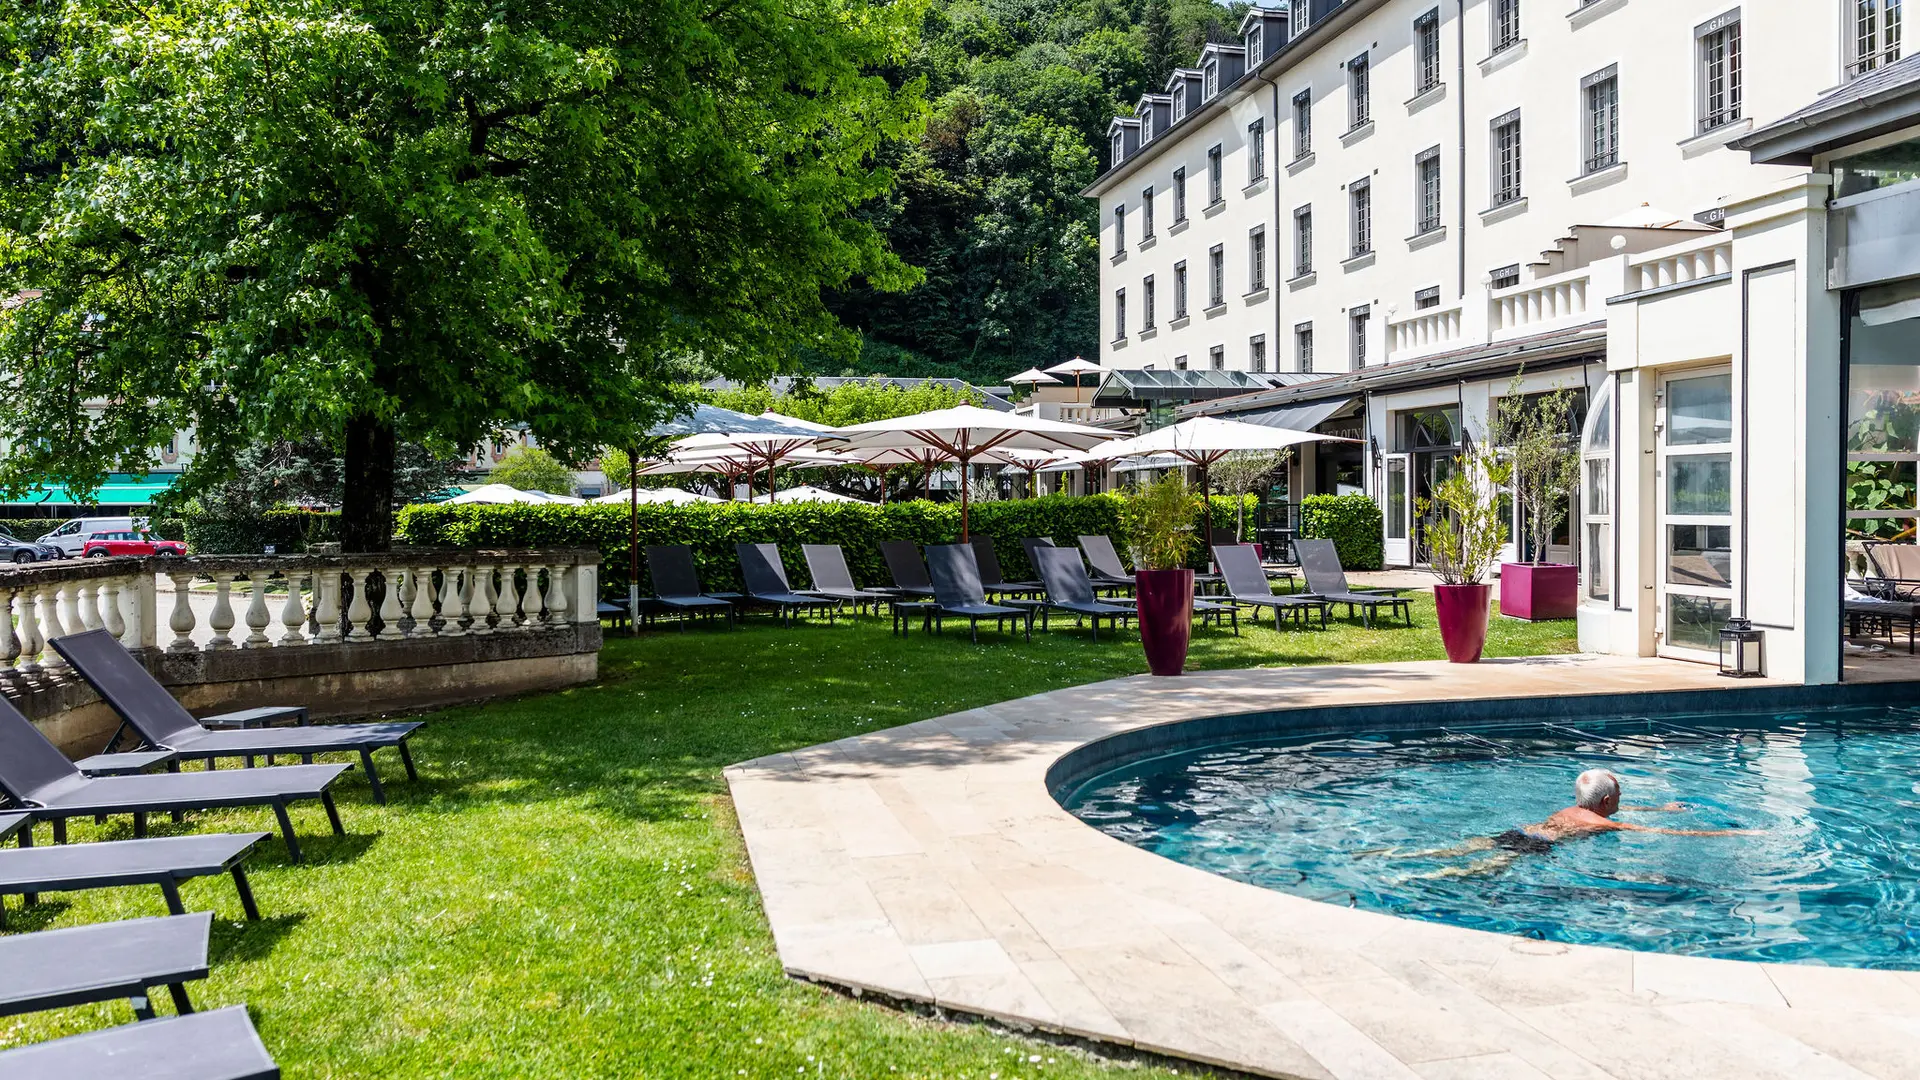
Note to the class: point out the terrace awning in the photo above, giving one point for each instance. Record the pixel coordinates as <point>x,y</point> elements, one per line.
<point>1298,417</point>
<point>119,490</point>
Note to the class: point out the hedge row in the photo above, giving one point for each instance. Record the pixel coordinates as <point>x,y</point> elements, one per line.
<point>712,530</point>
<point>1352,522</point>
<point>288,532</point>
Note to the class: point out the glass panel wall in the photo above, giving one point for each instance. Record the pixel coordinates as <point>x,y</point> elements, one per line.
<point>1596,476</point>
<point>1696,529</point>
<point>1883,419</point>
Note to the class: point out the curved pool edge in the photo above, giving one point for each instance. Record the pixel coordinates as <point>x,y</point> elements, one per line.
<point>930,863</point>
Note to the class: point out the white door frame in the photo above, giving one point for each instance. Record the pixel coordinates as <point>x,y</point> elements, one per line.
<point>1667,590</point>
<point>1399,549</point>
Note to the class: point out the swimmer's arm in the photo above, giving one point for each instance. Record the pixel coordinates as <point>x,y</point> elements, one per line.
<point>1670,808</point>
<point>1621,826</point>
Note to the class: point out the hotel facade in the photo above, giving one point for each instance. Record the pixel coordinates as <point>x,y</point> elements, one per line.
<point>1383,212</point>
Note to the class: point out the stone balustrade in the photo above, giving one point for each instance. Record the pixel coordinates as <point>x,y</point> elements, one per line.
<point>1543,304</point>
<point>316,624</point>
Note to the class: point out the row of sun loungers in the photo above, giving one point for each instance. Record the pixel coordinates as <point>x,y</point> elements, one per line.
<point>130,959</point>
<point>966,581</point>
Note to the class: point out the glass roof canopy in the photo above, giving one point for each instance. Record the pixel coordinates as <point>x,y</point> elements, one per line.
<point>1121,389</point>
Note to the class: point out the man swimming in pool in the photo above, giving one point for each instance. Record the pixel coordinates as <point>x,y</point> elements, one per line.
<point>1596,798</point>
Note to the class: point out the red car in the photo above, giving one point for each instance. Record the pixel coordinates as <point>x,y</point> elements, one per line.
<point>102,544</point>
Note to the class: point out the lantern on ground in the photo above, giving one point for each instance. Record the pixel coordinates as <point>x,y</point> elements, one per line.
<point>1743,650</point>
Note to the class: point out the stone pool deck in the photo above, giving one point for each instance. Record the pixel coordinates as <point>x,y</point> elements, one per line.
<point>928,863</point>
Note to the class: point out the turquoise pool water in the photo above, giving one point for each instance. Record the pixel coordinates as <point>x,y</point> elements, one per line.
<point>1834,878</point>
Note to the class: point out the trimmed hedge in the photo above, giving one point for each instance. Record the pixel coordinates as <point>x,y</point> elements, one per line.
<point>712,530</point>
<point>289,531</point>
<point>1352,522</point>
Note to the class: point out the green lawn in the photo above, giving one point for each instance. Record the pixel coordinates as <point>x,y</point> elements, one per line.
<point>565,895</point>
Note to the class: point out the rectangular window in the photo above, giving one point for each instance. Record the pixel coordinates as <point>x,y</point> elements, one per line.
<point>1217,279</point>
<point>1359,92</point>
<point>1426,35</point>
<point>1179,195</point>
<point>1120,228</point>
<point>1600,93</point>
<point>1874,39</point>
<point>1146,302</point>
<point>1257,353</point>
<point>1357,318</point>
<point>1303,241</point>
<point>1256,151</point>
<point>1426,298</point>
<point>1719,45</point>
<point>1146,214</point>
<point>1180,289</point>
<point>1302,124</point>
<point>1257,259</point>
<point>1506,158</point>
<point>1214,190</point>
<point>1253,46</point>
<point>1180,362</point>
<point>1360,220</point>
<point>1210,80</point>
<point>1118,146</point>
<point>1303,346</point>
<point>1217,358</point>
<point>1119,314</point>
<point>1426,186</point>
<point>1506,24</point>
<point>1506,277</point>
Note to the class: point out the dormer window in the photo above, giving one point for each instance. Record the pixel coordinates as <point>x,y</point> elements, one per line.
<point>1210,80</point>
<point>1253,46</point>
<point>1180,104</point>
<point>1119,147</point>
<point>1146,124</point>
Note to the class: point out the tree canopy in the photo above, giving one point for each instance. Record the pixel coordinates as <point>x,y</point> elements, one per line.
<point>381,221</point>
<point>531,468</point>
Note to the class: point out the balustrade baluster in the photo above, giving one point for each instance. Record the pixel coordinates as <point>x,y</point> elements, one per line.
<point>482,610</point>
<point>326,606</point>
<point>422,610</point>
<point>221,618</point>
<point>532,601</point>
<point>359,610</point>
<point>112,597</point>
<point>32,638</point>
<point>9,641</point>
<point>453,601</point>
<point>86,607</point>
<point>507,603</point>
<point>47,599</point>
<point>181,622</point>
<point>293,614</point>
<point>390,609</point>
<point>557,599</point>
<point>257,616</point>
<point>69,621</point>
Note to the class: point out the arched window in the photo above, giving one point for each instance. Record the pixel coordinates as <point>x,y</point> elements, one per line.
<point>1596,484</point>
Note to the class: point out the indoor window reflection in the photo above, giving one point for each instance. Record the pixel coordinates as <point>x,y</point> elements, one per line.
<point>1700,411</point>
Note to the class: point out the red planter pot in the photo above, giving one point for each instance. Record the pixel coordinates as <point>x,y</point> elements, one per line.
<point>1539,591</point>
<point>1164,599</point>
<point>1462,613</point>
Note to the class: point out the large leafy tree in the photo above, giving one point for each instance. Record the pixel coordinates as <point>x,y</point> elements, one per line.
<point>381,221</point>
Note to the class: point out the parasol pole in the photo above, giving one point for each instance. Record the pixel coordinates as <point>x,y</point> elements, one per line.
<point>633,541</point>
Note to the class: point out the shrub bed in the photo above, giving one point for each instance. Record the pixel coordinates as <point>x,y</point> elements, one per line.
<point>712,530</point>
<point>287,531</point>
<point>1352,522</point>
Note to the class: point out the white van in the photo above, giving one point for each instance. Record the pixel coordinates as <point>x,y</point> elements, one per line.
<point>72,534</point>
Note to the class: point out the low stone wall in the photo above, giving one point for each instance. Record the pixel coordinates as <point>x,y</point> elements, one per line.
<point>535,630</point>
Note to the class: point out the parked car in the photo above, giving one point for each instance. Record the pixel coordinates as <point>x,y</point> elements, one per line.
<point>72,535</point>
<point>141,542</point>
<point>13,549</point>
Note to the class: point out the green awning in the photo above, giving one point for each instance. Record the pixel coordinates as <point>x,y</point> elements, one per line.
<point>119,490</point>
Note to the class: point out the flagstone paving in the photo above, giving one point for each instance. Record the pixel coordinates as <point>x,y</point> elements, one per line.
<point>929,863</point>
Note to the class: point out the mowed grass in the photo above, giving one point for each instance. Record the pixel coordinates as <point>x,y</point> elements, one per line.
<point>565,893</point>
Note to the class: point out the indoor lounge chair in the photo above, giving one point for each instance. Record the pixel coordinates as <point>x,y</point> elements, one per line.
<point>827,566</point>
<point>217,1045</point>
<point>676,585</point>
<point>1107,571</point>
<point>79,965</point>
<point>1069,589</point>
<point>1320,562</point>
<point>957,592</point>
<point>1896,570</point>
<point>1865,612</point>
<point>908,571</point>
<point>1247,584</point>
<point>160,721</point>
<point>165,861</point>
<point>40,780</point>
<point>766,582</point>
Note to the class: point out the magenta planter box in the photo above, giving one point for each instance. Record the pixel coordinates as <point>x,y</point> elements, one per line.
<point>1462,613</point>
<point>1165,604</point>
<point>1539,591</point>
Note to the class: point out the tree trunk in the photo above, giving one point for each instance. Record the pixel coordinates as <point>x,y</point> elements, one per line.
<point>366,509</point>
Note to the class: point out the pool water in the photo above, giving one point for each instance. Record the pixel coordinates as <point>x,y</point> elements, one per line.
<point>1834,878</point>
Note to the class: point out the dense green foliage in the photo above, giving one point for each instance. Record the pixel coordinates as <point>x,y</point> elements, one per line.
<point>288,532</point>
<point>988,200</point>
<point>844,405</point>
<point>308,471</point>
<point>565,896</point>
<point>1352,522</point>
<point>713,529</point>
<point>531,468</point>
<point>382,220</point>
<point>1159,523</point>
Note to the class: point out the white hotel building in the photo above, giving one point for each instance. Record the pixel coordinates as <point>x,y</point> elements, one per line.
<point>1378,211</point>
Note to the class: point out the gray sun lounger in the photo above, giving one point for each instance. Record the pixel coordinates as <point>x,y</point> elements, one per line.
<point>217,1045</point>
<point>676,585</point>
<point>165,861</point>
<point>827,566</point>
<point>40,780</point>
<point>1069,589</point>
<point>766,581</point>
<point>80,965</point>
<point>1247,584</point>
<point>992,578</point>
<point>1326,579</point>
<point>162,722</point>
<point>957,592</point>
<point>909,573</point>
<point>1107,569</point>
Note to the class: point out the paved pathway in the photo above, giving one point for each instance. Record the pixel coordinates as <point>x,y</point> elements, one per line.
<point>929,863</point>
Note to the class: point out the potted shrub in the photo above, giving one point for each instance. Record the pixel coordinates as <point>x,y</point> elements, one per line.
<point>1159,523</point>
<point>1465,530</point>
<point>1545,458</point>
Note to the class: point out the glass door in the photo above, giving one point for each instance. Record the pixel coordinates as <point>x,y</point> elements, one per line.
<point>1696,503</point>
<point>1399,510</point>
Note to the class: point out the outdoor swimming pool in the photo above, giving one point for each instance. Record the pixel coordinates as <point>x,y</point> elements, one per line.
<point>1834,878</point>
